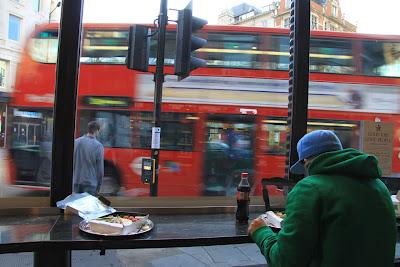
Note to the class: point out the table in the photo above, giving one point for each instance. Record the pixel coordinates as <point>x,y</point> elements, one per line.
<point>52,237</point>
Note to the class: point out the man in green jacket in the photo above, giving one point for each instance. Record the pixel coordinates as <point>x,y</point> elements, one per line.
<point>339,215</point>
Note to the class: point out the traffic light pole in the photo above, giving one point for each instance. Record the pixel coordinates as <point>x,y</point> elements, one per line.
<point>159,80</point>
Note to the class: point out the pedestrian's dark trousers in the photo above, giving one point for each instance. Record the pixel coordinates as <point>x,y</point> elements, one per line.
<point>82,188</point>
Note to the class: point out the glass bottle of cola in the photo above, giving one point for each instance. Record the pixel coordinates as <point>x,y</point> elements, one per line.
<point>243,199</point>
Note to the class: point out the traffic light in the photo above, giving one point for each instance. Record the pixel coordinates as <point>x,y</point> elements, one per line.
<point>186,42</point>
<point>138,48</point>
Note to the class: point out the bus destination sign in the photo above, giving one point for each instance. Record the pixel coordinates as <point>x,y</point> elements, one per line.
<point>107,101</point>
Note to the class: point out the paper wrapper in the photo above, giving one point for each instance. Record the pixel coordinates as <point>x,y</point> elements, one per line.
<point>271,219</point>
<point>396,204</point>
<point>85,205</point>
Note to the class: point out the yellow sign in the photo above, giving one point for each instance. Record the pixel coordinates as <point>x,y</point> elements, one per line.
<point>105,102</point>
<point>377,139</point>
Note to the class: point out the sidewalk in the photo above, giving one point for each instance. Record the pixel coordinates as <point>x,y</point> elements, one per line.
<point>219,256</point>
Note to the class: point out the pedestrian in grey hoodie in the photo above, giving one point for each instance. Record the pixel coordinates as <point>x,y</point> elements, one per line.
<point>88,161</point>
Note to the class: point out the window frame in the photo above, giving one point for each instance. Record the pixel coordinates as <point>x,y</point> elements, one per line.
<point>286,23</point>
<point>312,22</point>
<point>37,5</point>
<point>10,23</point>
<point>335,9</point>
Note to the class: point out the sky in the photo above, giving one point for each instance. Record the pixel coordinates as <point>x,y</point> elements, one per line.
<point>371,16</point>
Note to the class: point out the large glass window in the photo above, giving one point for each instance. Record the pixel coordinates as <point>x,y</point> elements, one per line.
<point>14,28</point>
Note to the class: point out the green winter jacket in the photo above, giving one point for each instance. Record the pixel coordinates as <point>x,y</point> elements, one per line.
<point>341,215</point>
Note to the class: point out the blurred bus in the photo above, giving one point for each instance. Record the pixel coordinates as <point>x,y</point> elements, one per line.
<point>226,118</point>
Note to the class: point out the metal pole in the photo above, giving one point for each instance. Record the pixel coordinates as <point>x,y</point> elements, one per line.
<point>159,80</point>
<point>67,72</point>
<point>298,78</point>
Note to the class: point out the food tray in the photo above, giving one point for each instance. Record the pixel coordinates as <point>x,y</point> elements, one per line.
<point>84,226</point>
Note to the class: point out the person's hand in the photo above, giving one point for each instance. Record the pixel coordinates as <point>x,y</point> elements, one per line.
<point>255,224</point>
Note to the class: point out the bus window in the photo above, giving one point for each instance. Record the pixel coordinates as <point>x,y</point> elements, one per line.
<point>105,46</point>
<point>177,131</point>
<point>278,53</point>
<point>115,129</point>
<point>231,50</point>
<point>169,53</point>
<point>380,58</point>
<point>275,133</point>
<point>348,132</point>
<point>44,46</point>
<point>331,56</point>
<point>111,47</point>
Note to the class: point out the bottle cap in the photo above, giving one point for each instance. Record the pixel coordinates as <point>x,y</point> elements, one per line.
<point>245,175</point>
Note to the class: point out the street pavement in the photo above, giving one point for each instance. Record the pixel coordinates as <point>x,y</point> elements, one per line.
<point>216,256</point>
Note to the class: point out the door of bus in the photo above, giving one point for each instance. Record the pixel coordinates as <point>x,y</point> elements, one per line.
<point>229,151</point>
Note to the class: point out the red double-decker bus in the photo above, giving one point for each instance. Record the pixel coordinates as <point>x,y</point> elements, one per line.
<point>226,118</point>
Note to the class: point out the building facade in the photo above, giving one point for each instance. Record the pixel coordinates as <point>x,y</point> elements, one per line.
<point>326,15</point>
<point>247,15</point>
<point>18,19</point>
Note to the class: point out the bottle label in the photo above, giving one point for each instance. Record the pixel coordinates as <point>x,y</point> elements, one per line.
<point>243,195</point>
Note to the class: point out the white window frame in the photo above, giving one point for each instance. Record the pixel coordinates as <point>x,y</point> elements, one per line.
<point>286,23</point>
<point>19,30</point>
<point>316,22</point>
<point>39,7</point>
<point>335,9</point>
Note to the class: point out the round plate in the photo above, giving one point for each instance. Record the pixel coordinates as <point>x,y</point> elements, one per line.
<point>84,226</point>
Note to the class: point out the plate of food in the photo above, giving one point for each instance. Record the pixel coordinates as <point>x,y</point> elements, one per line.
<point>118,224</point>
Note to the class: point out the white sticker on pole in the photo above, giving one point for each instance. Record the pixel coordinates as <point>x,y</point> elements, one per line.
<point>155,137</point>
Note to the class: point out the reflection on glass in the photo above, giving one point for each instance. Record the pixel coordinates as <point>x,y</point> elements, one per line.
<point>226,118</point>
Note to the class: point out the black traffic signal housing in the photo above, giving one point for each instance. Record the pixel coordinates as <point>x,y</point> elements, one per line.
<point>138,48</point>
<point>186,42</point>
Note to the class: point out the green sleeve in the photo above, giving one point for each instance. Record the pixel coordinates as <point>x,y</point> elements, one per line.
<point>296,242</point>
